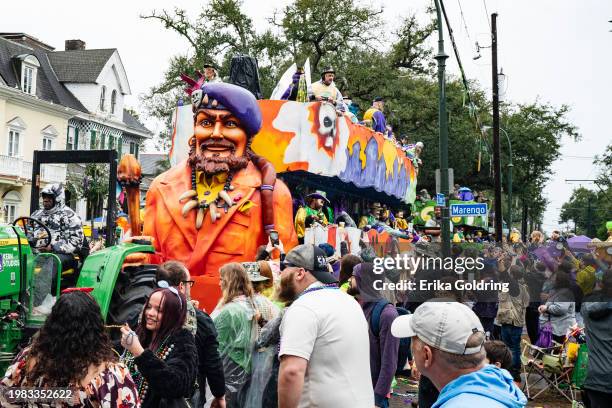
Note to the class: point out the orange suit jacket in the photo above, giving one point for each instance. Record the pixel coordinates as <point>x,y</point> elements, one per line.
<point>233,238</point>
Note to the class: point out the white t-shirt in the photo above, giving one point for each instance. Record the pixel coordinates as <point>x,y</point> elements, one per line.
<point>327,327</point>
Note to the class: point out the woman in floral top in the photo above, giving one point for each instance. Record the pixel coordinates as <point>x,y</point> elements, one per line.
<point>72,351</point>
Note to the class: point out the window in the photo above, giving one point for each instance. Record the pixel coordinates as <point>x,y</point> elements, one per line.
<point>10,211</point>
<point>28,77</point>
<point>102,141</point>
<point>47,143</point>
<point>103,98</point>
<point>29,67</point>
<point>13,143</point>
<point>113,100</point>
<point>134,149</point>
<point>71,138</point>
<point>11,200</point>
<point>111,142</point>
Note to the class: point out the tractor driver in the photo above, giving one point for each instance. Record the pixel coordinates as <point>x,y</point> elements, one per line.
<point>63,223</point>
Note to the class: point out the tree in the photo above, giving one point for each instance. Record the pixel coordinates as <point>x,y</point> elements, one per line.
<point>91,185</point>
<point>588,209</point>
<point>536,131</point>
<point>318,28</point>
<point>219,32</point>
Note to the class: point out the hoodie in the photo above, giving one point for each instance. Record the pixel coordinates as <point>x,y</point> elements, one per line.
<point>489,387</point>
<point>63,223</point>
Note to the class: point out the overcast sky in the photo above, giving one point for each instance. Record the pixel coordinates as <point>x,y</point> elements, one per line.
<point>554,50</point>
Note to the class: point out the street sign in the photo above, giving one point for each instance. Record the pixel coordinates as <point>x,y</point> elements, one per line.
<point>463,210</point>
<point>440,200</point>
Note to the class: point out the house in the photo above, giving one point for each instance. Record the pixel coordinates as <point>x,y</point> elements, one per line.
<point>71,99</point>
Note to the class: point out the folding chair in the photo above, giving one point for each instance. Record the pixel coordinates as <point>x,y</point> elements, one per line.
<point>550,366</point>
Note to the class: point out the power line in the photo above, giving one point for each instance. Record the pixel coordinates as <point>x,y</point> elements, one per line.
<point>471,105</point>
<point>464,23</point>
<point>487,13</point>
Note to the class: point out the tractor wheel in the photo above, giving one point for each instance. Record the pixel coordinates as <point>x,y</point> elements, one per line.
<point>133,286</point>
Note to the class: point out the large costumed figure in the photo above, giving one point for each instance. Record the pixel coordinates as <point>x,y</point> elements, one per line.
<point>218,204</point>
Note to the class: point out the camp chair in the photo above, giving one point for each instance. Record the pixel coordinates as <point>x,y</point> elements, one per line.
<point>548,365</point>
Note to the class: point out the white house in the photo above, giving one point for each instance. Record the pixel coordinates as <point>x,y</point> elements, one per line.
<point>49,100</point>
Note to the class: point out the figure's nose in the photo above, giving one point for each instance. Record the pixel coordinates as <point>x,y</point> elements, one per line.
<point>216,134</point>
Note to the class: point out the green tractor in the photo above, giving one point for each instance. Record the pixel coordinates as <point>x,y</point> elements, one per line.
<point>30,281</point>
<point>26,288</point>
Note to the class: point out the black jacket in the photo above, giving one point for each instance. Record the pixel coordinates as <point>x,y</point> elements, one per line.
<point>173,377</point>
<point>210,367</point>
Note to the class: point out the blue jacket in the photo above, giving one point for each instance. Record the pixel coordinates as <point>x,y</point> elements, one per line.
<point>489,387</point>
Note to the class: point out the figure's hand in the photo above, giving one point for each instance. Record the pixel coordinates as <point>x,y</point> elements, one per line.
<point>130,341</point>
<point>195,303</point>
<point>138,257</point>
<point>542,309</point>
<point>218,402</point>
<point>47,248</point>
<point>318,98</point>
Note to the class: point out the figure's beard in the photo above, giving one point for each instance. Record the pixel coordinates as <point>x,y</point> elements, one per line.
<point>287,291</point>
<point>217,164</point>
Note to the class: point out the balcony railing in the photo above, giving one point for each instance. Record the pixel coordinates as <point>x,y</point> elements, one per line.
<point>15,167</point>
<point>20,169</point>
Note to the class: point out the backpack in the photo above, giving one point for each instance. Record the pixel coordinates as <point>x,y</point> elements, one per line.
<point>403,352</point>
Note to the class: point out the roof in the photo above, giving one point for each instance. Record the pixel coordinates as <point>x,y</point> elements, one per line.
<point>82,66</point>
<point>48,88</point>
<point>149,162</point>
<point>133,123</point>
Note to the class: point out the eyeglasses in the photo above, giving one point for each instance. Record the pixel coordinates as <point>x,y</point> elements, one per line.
<point>189,283</point>
<point>165,285</point>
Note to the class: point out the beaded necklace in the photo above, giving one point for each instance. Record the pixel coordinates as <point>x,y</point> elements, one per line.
<point>325,286</point>
<point>222,201</point>
<point>141,383</point>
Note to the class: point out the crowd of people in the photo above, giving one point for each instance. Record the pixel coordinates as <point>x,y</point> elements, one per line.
<point>311,328</point>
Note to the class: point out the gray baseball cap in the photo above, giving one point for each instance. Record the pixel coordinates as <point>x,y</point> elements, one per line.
<point>311,258</point>
<point>446,326</point>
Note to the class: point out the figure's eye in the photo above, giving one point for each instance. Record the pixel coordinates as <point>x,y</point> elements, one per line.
<point>206,122</point>
<point>231,124</point>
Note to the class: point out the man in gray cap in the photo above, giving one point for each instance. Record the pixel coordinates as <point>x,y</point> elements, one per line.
<point>447,346</point>
<point>324,347</point>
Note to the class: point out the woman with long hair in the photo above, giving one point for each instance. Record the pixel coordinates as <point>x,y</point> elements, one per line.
<point>161,354</point>
<point>236,320</point>
<point>73,352</point>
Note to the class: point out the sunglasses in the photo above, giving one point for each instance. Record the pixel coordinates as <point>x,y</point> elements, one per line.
<point>189,283</point>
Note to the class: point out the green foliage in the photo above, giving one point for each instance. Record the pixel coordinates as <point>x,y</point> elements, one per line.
<point>318,28</point>
<point>536,131</point>
<point>577,210</point>
<point>588,210</point>
<point>91,185</point>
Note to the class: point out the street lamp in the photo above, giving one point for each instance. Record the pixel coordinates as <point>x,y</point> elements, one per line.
<point>441,57</point>
<point>484,128</point>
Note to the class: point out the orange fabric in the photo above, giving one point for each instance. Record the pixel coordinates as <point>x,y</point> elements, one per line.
<point>233,238</point>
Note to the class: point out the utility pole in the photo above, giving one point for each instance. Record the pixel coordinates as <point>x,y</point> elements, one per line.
<point>496,144</point>
<point>443,134</point>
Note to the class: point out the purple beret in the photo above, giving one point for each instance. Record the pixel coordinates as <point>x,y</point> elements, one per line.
<point>239,101</point>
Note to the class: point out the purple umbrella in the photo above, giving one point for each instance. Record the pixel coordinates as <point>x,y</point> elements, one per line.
<point>543,254</point>
<point>579,243</point>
